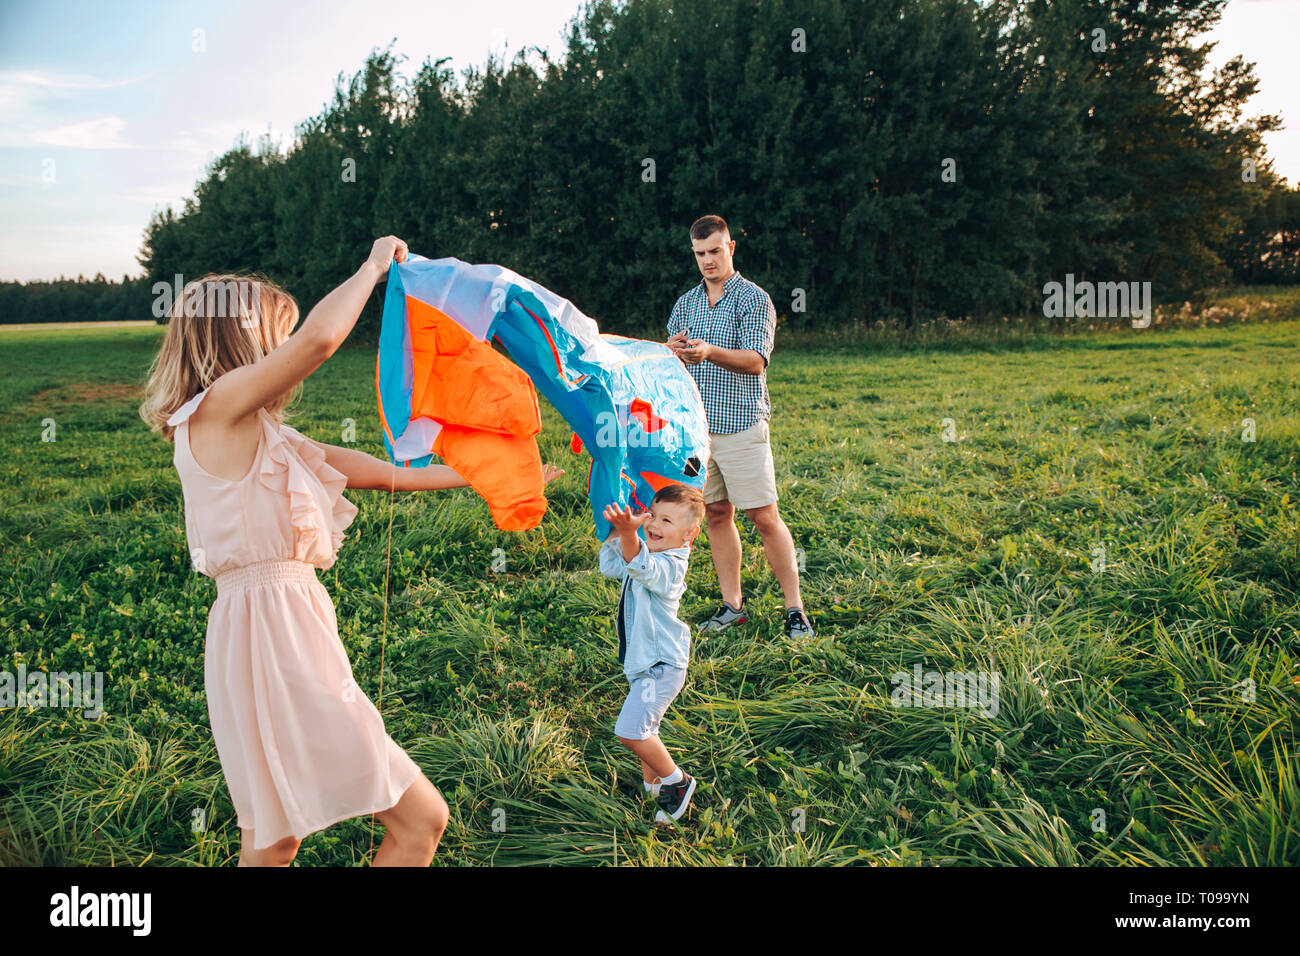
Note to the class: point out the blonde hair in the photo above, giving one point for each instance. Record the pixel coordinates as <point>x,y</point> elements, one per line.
<point>219,323</point>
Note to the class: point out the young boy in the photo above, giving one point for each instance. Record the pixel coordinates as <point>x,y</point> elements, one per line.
<point>653,645</point>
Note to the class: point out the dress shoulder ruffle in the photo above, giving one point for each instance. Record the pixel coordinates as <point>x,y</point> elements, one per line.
<point>318,511</point>
<point>186,410</point>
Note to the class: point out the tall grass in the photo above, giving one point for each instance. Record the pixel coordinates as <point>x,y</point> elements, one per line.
<point>1147,705</point>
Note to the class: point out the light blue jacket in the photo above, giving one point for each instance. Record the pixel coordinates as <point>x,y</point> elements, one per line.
<point>656,581</point>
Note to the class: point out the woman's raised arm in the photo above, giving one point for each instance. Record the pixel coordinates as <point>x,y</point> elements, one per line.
<point>242,391</point>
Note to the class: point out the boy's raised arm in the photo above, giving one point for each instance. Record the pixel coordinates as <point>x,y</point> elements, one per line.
<point>611,559</point>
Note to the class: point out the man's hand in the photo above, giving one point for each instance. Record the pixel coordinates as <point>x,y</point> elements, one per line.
<point>676,342</point>
<point>694,351</point>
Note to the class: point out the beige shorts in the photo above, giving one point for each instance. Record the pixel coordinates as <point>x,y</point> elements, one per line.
<point>741,469</point>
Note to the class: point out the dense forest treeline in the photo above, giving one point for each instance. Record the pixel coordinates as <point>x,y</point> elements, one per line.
<point>892,159</point>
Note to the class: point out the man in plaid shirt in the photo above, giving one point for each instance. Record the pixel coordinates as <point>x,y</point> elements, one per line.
<point>722,329</point>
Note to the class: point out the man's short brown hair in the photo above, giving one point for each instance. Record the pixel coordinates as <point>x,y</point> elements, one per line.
<point>706,226</point>
<point>677,493</point>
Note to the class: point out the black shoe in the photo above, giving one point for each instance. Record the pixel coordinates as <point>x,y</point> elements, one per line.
<point>674,798</point>
<point>797,623</point>
<point>724,617</point>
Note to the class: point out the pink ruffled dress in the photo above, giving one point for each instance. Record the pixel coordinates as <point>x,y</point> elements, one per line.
<point>301,746</point>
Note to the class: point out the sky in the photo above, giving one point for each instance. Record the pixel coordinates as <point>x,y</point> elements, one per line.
<point>109,112</point>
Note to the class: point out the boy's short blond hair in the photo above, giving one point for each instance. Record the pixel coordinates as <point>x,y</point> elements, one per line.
<point>678,493</point>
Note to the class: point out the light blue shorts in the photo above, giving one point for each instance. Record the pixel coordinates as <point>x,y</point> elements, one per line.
<point>648,699</point>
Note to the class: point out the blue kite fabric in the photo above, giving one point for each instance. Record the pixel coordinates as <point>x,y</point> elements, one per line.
<point>443,390</point>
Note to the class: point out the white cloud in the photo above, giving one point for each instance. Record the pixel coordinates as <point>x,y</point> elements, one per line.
<point>157,194</point>
<point>26,92</point>
<point>65,81</point>
<point>29,100</point>
<point>209,139</point>
<point>105,132</point>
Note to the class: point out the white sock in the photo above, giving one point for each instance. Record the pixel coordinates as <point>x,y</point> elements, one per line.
<point>674,777</point>
<point>650,787</point>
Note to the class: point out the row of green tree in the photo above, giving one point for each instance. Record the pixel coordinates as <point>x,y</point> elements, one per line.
<point>876,159</point>
<point>75,300</point>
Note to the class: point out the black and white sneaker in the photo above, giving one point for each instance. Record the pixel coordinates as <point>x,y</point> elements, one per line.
<point>674,798</point>
<point>797,623</point>
<point>724,617</point>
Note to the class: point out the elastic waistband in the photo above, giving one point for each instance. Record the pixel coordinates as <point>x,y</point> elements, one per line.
<point>264,572</point>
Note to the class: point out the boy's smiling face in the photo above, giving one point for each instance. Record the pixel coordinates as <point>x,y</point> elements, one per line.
<point>669,526</point>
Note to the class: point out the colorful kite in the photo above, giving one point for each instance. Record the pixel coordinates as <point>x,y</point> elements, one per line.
<point>443,390</point>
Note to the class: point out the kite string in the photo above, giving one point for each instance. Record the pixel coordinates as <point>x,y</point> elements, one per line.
<point>383,640</point>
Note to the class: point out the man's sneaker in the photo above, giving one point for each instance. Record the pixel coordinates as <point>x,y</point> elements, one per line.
<point>674,798</point>
<point>797,623</point>
<point>725,617</point>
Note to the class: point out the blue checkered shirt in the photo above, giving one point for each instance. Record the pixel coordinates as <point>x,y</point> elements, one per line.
<point>743,318</point>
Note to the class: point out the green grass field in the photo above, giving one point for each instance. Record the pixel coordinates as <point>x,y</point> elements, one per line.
<point>1147,708</point>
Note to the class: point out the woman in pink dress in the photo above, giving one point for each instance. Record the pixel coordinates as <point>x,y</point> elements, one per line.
<point>301,747</point>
